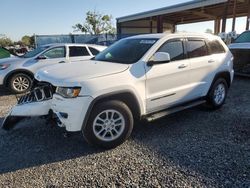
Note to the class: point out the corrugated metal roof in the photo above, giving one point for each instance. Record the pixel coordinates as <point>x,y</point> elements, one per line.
<point>171,9</point>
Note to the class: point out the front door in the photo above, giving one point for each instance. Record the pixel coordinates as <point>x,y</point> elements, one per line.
<point>168,84</point>
<point>51,57</point>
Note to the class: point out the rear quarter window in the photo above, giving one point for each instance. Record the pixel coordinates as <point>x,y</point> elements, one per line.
<point>196,48</point>
<point>215,47</point>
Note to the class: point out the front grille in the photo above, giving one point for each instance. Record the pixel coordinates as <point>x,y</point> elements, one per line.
<point>36,84</point>
<point>38,94</point>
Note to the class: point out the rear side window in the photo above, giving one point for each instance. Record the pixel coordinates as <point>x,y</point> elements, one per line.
<point>76,51</point>
<point>93,51</point>
<point>215,47</point>
<point>174,48</point>
<point>196,48</point>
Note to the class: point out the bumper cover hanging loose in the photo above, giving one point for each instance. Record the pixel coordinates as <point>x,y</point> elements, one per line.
<point>34,103</point>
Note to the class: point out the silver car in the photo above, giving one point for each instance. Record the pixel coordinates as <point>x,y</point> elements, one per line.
<point>17,73</point>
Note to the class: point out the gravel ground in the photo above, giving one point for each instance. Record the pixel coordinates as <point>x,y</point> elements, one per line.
<point>193,148</point>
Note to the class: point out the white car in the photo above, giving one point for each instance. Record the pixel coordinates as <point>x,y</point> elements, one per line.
<point>141,77</point>
<point>17,73</point>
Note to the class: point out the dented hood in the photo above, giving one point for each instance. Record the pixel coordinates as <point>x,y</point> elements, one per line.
<point>72,74</point>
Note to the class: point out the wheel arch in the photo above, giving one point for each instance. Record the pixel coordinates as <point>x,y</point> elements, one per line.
<point>226,75</point>
<point>126,96</point>
<point>10,74</point>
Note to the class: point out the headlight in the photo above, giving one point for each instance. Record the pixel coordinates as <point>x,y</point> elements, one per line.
<point>4,66</point>
<point>68,92</point>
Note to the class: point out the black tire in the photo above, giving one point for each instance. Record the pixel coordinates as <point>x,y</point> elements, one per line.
<point>212,102</point>
<point>98,110</point>
<point>27,81</point>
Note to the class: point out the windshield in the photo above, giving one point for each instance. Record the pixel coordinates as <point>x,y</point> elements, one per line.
<point>34,52</point>
<point>244,37</point>
<point>126,51</point>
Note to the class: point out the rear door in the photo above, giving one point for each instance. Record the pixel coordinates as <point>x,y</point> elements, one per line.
<point>201,66</point>
<point>168,84</point>
<point>77,53</point>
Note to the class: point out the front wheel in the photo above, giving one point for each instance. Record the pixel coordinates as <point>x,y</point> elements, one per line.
<point>217,94</point>
<point>109,124</point>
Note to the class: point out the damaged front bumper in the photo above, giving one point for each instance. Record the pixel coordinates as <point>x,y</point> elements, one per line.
<point>44,102</point>
<point>34,103</point>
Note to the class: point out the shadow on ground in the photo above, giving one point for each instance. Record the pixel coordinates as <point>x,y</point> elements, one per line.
<point>33,143</point>
<point>4,91</point>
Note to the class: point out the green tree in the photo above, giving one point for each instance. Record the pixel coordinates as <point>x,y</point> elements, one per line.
<point>96,23</point>
<point>5,41</point>
<point>27,40</point>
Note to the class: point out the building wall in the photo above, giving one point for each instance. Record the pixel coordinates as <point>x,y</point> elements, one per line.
<point>143,27</point>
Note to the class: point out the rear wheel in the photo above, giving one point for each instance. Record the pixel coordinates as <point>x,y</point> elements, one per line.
<point>109,125</point>
<point>217,94</point>
<point>20,83</point>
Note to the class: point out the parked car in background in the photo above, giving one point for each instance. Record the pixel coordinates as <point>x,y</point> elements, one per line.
<point>4,53</point>
<point>241,51</point>
<point>17,73</point>
<point>141,77</point>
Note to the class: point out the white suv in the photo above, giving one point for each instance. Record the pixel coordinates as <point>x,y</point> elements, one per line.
<point>141,77</point>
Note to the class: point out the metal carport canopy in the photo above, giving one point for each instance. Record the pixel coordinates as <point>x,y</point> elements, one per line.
<point>171,9</point>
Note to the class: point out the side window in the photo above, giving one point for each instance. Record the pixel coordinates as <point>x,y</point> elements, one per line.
<point>58,52</point>
<point>93,51</point>
<point>215,47</point>
<point>196,48</point>
<point>174,48</point>
<point>76,51</point>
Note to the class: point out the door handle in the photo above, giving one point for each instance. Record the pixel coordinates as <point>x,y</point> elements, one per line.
<point>182,66</point>
<point>62,62</point>
<point>211,61</point>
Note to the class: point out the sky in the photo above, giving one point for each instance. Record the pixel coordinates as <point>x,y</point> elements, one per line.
<point>28,17</point>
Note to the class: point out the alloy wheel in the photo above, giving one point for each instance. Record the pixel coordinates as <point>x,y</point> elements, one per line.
<point>21,83</point>
<point>108,125</point>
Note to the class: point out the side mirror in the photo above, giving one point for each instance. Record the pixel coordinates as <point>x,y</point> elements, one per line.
<point>40,57</point>
<point>159,58</point>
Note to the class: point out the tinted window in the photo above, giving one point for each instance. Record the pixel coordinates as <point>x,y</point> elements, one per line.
<point>126,51</point>
<point>244,37</point>
<point>75,51</point>
<point>175,50</point>
<point>215,47</point>
<point>34,52</point>
<point>94,51</point>
<point>196,48</point>
<point>55,53</point>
